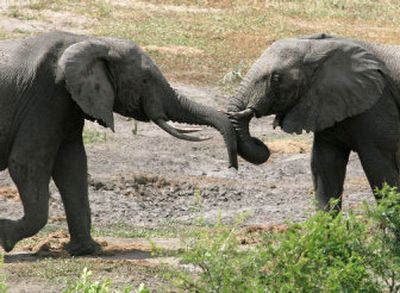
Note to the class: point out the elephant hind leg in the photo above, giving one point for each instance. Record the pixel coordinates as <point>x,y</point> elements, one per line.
<point>33,187</point>
<point>328,165</point>
<point>381,165</point>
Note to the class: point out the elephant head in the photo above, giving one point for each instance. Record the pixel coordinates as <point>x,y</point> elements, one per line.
<point>309,84</point>
<point>107,74</point>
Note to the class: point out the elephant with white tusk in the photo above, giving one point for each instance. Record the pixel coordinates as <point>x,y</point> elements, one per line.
<point>49,84</point>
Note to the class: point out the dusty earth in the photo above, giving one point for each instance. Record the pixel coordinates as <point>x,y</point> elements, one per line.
<point>150,179</point>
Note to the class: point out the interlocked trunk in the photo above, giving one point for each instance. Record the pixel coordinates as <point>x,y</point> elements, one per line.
<point>181,109</point>
<point>250,148</point>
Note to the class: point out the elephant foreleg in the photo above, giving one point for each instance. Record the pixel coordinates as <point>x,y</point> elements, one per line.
<point>70,176</point>
<point>328,165</point>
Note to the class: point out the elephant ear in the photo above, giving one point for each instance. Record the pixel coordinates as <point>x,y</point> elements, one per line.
<point>344,80</point>
<point>86,78</point>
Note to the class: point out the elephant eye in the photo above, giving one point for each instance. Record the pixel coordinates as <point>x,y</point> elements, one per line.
<point>275,77</point>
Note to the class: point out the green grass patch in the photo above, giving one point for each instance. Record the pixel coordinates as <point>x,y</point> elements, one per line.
<point>67,271</point>
<point>3,286</point>
<point>123,230</point>
<point>87,285</point>
<point>93,136</point>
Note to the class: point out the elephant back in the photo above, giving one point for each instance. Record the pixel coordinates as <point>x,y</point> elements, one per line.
<point>390,55</point>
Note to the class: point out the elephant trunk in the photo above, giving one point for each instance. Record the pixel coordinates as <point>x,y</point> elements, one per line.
<point>250,148</point>
<point>181,109</point>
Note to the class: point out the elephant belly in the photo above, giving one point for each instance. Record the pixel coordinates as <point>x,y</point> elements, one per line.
<point>4,155</point>
<point>379,126</point>
<point>10,117</point>
<point>4,149</point>
<point>6,122</point>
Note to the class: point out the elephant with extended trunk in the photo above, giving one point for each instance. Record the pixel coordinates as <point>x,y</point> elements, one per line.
<point>48,85</point>
<point>345,91</point>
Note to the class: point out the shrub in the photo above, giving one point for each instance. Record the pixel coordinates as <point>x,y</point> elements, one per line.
<point>224,267</point>
<point>383,257</point>
<point>324,254</point>
<point>329,252</point>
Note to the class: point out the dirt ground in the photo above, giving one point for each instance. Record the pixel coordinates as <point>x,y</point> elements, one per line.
<point>151,179</point>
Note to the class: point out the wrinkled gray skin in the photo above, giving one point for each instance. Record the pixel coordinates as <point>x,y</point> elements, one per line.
<point>48,85</point>
<point>345,91</point>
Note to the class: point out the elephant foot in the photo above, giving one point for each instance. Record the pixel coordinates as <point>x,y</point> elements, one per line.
<point>7,244</point>
<point>6,241</point>
<point>78,248</point>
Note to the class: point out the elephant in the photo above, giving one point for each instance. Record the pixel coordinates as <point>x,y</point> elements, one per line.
<point>49,84</point>
<point>343,90</point>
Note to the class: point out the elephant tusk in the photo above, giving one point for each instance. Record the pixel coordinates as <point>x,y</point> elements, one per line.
<point>242,114</point>
<point>186,130</point>
<point>171,130</point>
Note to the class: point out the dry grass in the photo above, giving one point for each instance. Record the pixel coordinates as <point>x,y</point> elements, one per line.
<point>357,182</point>
<point>200,41</point>
<point>9,193</point>
<point>289,146</point>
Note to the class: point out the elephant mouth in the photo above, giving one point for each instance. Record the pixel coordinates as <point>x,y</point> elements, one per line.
<point>256,113</point>
<point>246,113</point>
<point>139,112</point>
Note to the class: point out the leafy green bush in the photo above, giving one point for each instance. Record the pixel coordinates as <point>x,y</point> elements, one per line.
<point>224,267</point>
<point>324,254</point>
<point>383,257</point>
<point>329,252</point>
